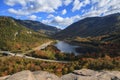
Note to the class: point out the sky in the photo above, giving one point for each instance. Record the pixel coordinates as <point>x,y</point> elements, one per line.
<point>58,13</point>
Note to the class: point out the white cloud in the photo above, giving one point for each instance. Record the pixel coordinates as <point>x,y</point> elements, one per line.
<point>34,6</point>
<point>85,2</point>
<point>47,21</point>
<point>77,4</point>
<point>67,2</point>
<point>103,7</point>
<point>32,17</point>
<point>14,2</point>
<point>18,12</point>
<point>96,8</point>
<point>50,16</point>
<point>60,21</point>
<point>65,21</point>
<point>64,12</point>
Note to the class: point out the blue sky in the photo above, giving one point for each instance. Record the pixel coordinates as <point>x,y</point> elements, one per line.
<point>59,13</point>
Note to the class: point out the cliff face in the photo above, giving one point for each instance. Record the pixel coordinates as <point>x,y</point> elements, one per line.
<point>83,74</point>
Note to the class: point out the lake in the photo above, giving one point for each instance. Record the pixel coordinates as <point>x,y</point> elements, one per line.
<point>65,47</point>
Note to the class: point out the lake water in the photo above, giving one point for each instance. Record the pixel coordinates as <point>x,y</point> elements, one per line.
<point>65,47</point>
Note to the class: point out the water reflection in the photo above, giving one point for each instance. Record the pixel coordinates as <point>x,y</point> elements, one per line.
<point>65,47</point>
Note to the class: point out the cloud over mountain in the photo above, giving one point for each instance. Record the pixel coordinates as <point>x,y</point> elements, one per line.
<point>61,21</point>
<point>32,17</point>
<point>62,12</point>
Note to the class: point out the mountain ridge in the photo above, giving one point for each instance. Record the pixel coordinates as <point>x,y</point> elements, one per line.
<point>92,27</point>
<point>15,36</point>
<point>36,26</point>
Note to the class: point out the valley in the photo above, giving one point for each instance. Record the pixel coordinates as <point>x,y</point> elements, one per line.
<point>91,43</point>
<point>59,39</point>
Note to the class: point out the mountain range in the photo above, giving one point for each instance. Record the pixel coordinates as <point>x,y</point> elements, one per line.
<point>38,26</point>
<point>16,34</point>
<point>92,27</point>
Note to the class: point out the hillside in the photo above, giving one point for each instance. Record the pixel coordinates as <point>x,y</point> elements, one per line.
<point>38,26</point>
<point>16,37</point>
<point>92,27</point>
<point>94,35</point>
<point>17,64</point>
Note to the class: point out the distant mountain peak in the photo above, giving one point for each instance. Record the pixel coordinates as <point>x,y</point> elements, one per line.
<point>34,25</point>
<point>92,26</point>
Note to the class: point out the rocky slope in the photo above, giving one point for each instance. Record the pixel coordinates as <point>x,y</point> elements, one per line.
<point>83,74</point>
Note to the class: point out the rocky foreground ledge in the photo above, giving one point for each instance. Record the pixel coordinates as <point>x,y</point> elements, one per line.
<point>83,74</point>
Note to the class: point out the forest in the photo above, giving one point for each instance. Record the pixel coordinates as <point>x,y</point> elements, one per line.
<point>10,65</point>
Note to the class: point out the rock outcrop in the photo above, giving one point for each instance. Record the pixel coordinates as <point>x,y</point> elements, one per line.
<point>5,77</point>
<point>83,74</point>
<point>23,75</point>
<point>86,74</point>
<point>43,75</point>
